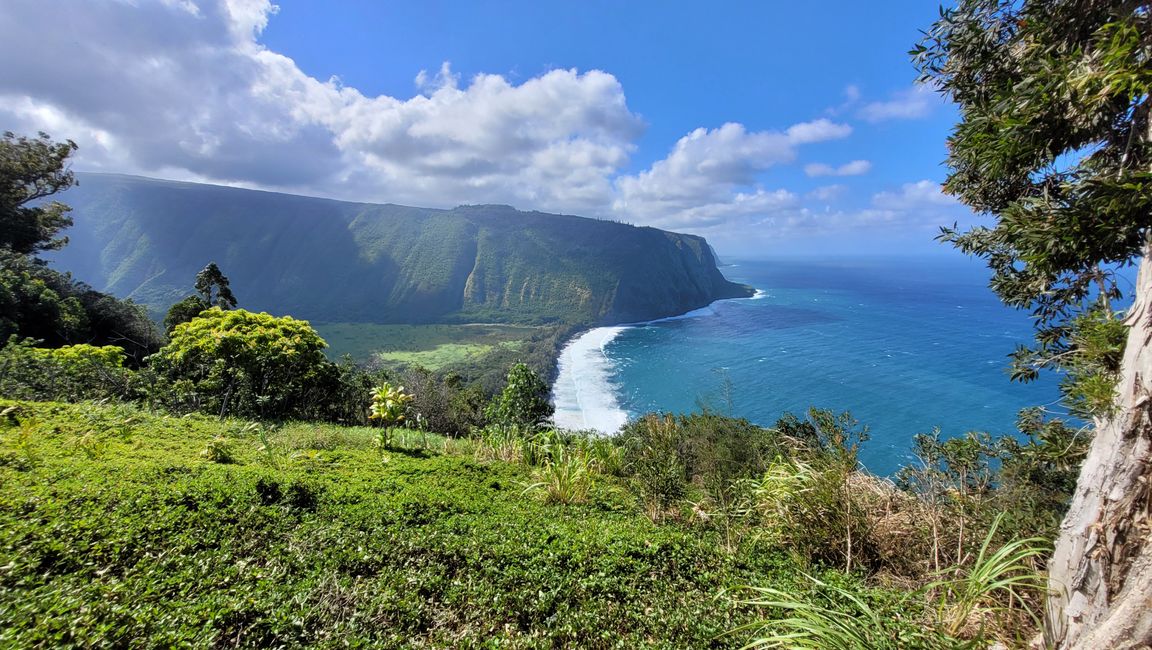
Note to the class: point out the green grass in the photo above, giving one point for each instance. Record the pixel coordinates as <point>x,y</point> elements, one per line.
<point>308,535</point>
<point>431,346</point>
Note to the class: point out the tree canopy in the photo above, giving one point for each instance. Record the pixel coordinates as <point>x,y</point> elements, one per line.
<point>210,279</point>
<point>35,301</point>
<point>243,363</point>
<point>1053,140</point>
<point>33,169</point>
<point>524,400</point>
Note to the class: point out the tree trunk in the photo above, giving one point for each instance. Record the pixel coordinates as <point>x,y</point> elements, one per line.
<point>1101,572</point>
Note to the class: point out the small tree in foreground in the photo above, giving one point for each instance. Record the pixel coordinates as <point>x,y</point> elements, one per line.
<point>243,363</point>
<point>389,408</point>
<point>523,402</point>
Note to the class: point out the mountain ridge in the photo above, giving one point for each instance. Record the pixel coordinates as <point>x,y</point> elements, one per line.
<point>325,259</point>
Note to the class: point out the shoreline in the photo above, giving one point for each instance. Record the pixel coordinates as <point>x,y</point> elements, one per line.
<point>582,394</point>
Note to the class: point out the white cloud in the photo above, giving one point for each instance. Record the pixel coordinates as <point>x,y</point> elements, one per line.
<point>817,131</point>
<point>711,175</point>
<point>914,196</point>
<point>184,89</point>
<point>912,103</point>
<point>827,193</point>
<point>854,168</point>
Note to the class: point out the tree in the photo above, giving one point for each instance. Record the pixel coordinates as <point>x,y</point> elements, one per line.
<point>35,301</point>
<point>184,311</point>
<point>1055,141</point>
<point>242,363</point>
<point>33,169</point>
<point>210,278</point>
<point>524,400</point>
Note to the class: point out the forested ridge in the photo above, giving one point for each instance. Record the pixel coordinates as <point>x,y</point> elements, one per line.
<point>356,262</point>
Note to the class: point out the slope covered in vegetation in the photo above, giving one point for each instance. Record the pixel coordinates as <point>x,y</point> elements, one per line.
<point>125,527</point>
<point>354,262</point>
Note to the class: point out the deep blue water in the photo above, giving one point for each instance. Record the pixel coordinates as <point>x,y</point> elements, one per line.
<point>904,344</point>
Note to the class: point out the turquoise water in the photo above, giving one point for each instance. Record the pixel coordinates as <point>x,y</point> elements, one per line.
<point>905,345</point>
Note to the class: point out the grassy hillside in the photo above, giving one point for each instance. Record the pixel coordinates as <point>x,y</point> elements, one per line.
<point>124,528</point>
<point>353,262</point>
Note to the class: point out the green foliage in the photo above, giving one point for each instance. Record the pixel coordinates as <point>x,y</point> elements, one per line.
<point>33,169</point>
<point>389,406</point>
<point>1054,142</point>
<point>39,303</point>
<point>184,311</point>
<point>69,373</point>
<point>566,476</point>
<point>243,363</point>
<point>523,402</point>
<point>210,279</point>
<point>999,580</point>
<point>219,450</point>
<point>664,454</point>
<point>150,545</point>
<point>1018,485</point>
<point>837,618</point>
<point>35,301</point>
<point>472,264</point>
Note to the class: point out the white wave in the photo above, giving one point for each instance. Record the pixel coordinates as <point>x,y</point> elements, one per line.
<point>583,394</point>
<point>759,295</point>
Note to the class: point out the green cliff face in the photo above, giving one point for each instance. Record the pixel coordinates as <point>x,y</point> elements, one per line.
<point>338,261</point>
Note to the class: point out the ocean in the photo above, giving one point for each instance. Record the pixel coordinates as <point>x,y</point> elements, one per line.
<point>904,344</point>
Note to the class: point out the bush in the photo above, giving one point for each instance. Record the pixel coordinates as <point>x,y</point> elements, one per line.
<point>523,402</point>
<point>241,363</point>
<point>70,373</point>
<point>664,454</point>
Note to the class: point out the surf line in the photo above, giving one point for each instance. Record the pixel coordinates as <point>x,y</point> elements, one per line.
<point>583,394</point>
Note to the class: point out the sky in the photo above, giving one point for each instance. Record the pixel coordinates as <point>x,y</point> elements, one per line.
<point>772,128</point>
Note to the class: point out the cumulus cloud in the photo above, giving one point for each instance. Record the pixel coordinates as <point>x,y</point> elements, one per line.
<point>711,175</point>
<point>914,196</point>
<point>827,193</point>
<point>854,168</point>
<point>817,131</point>
<point>908,104</point>
<point>185,89</point>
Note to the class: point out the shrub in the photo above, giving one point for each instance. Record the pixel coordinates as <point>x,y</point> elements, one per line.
<point>241,363</point>
<point>523,402</point>
<point>69,374</point>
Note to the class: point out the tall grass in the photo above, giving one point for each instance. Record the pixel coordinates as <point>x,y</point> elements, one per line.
<point>844,621</point>
<point>566,477</point>
<point>999,583</point>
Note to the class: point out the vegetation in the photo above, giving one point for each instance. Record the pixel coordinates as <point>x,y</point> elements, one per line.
<point>523,402</point>
<point>1055,141</point>
<point>321,543</point>
<point>208,280</point>
<point>33,169</point>
<point>485,264</point>
<point>214,530</point>
<point>241,363</point>
<point>35,301</point>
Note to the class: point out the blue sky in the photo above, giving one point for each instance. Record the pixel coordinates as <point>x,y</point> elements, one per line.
<point>771,128</point>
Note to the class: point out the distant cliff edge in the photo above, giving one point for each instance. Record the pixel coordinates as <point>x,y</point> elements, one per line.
<point>328,260</point>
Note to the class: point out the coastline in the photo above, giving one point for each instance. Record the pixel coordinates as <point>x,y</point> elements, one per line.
<point>582,393</point>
